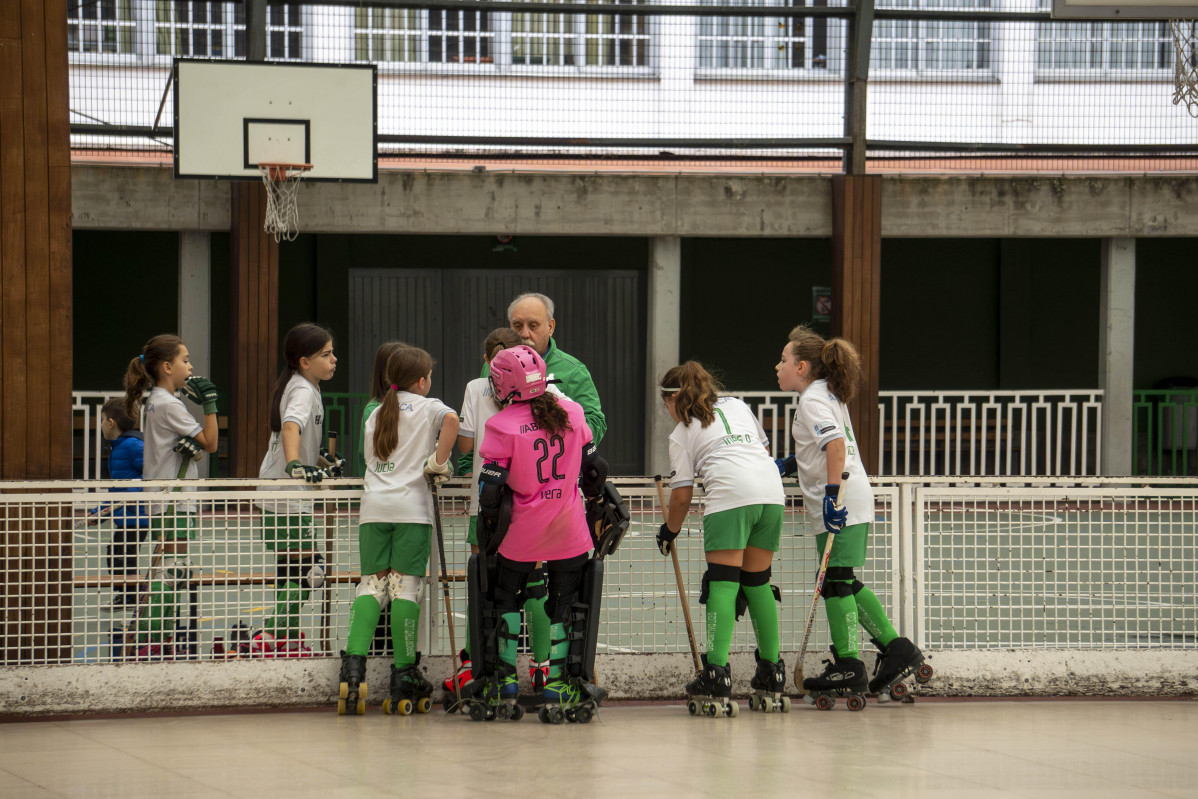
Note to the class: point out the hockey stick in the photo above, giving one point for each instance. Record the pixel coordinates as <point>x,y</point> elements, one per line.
<point>143,596</point>
<point>819,586</point>
<point>686,609</point>
<point>453,644</point>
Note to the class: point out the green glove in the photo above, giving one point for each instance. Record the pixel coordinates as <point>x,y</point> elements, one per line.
<point>201,391</point>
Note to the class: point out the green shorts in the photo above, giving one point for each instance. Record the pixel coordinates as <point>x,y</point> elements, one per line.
<point>172,527</point>
<point>751,526</point>
<point>402,547</point>
<point>288,533</point>
<point>849,547</point>
<point>472,532</point>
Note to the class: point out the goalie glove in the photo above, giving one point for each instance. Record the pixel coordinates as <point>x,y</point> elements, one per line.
<point>188,447</point>
<point>309,474</point>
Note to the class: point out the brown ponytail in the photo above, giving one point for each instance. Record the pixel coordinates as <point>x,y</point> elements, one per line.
<point>405,367</point>
<point>378,377</point>
<point>142,372</point>
<point>549,414</point>
<point>695,391</point>
<point>836,361</point>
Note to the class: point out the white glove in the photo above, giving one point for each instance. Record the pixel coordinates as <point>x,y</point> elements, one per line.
<point>437,473</point>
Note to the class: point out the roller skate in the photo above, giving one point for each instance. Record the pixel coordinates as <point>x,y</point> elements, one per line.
<point>494,696</point>
<point>353,684</point>
<point>768,684</point>
<point>842,677</point>
<point>410,692</point>
<point>710,693</point>
<point>539,674</point>
<point>461,679</point>
<point>570,699</point>
<point>896,661</point>
<point>237,645</point>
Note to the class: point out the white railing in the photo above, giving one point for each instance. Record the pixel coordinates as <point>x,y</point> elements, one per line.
<point>967,433</point>
<point>85,428</point>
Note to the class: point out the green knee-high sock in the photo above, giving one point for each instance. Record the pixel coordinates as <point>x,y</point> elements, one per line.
<point>763,610</point>
<point>289,598</point>
<point>558,649</point>
<point>162,613</point>
<point>721,618</point>
<point>842,623</point>
<point>363,618</point>
<point>508,643</point>
<point>538,625</point>
<point>873,618</point>
<point>405,621</point>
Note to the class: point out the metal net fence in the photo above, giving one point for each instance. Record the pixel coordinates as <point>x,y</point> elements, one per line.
<point>977,85</point>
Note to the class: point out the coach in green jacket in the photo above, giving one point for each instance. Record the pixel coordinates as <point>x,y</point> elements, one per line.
<point>531,315</point>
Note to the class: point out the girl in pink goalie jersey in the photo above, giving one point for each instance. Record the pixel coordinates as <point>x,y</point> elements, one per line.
<point>534,451</point>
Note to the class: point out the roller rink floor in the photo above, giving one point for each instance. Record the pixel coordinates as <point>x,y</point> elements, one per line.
<point>936,748</point>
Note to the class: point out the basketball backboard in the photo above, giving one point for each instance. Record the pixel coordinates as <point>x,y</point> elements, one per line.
<point>231,116</point>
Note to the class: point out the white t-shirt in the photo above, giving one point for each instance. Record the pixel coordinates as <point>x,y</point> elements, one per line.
<point>820,419</point>
<point>478,406</point>
<point>396,490</point>
<point>301,403</point>
<point>164,418</point>
<point>729,456</point>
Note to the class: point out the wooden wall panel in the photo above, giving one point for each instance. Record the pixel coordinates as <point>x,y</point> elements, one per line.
<point>255,340</point>
<point>856,292</point>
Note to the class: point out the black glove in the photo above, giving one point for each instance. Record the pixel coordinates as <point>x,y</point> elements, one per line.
<point>665,537</point>
<point>309,474</point>
<point>188,447</point>
<point>331,463</point>
<point>787,466</point>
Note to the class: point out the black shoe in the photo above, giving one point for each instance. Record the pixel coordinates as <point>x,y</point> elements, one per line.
<point>841,673</point>
<point>892,661</point>
<point>770,677</point>
<point>714,681</point>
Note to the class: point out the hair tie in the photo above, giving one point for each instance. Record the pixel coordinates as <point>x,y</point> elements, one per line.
<point>143,357</point>
<point>394,387</point>
<point>665,390</point>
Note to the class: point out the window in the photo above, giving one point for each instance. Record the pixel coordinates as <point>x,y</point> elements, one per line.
<point>615,40</point>
<point>192,29</point>
<point>764,42</point>
<point>931,44</point>
<point>543,39</point>
<point>459,37</point>
<point>387,34</point>
<point>284,32</point>
<point>1104,46</point>
<point>100,26</point>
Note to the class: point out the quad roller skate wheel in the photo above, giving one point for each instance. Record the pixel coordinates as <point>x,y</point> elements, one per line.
<point>556,716</point>
<point>784,704</point>
<point>503,711</point>
<point>543,715</point>
<point>692,707</point>
<point>898,691</point>
<point>583,715</point>
<point>517,713</point>
<point>856,702</point>
<point>824,702</point>
<point>403,707</point>
<point>753,701</point>
<point>923,674</point>
<point>732,710</point>
<point>424,704</point>
<point>766,704</point>
<point>341,707</point>
<point>477,712</point>
<point>712,709</point>
<point>570,716</point>
<point>490,714</point>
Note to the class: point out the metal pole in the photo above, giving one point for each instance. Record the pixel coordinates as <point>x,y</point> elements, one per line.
<point>255,30</point>
<point>856,79</point>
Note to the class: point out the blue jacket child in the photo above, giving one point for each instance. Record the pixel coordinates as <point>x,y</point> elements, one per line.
<point>130,523</point>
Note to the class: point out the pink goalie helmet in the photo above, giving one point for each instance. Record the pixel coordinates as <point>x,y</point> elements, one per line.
<point>517,374</point>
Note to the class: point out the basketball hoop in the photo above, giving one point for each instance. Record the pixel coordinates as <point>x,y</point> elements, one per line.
<point>282,187</point>
<point>1185,64</point>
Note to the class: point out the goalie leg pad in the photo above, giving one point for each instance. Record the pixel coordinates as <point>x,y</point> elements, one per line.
<point>405,586</point>
<point>374,586</point>
<point>717,573</point>
<point>510,581</point>
<point>582,622</point>
<point>565,581</point>
<point>482,616</point>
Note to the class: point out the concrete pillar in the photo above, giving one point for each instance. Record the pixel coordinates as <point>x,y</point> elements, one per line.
<point>665,297</point>
<point>1116,358</point>
<point>195,311</point>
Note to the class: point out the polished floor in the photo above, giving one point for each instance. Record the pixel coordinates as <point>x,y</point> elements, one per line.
<point>1054,749</point>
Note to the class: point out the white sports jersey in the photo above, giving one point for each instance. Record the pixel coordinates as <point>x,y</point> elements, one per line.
<point>164,418</point>
<point>729,456</point>
<point>301,403</point>
<point>821,419</point>
<point>396,490</point>
<point>477,407</point>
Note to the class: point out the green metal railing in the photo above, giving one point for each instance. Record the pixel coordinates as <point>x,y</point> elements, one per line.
<point>343,413</point>
<point>1165,431</point>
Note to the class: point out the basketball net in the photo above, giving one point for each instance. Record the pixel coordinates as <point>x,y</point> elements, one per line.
<point>282,188</point>
<point>1185,64</point>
